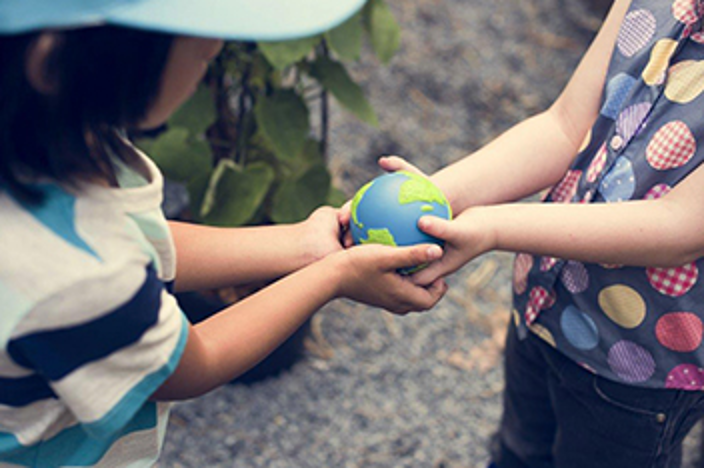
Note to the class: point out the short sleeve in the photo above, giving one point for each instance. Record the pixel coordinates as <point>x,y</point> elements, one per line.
<point>104,345</point>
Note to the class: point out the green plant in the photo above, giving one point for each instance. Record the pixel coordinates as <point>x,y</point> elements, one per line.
<point>243,144</point>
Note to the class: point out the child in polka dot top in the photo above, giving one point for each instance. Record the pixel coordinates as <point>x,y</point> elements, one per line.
<point>604,358</point>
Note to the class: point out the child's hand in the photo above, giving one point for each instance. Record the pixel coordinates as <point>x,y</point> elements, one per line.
<point>320,233</point>
<point>397,163</point>
<point>370,276</point>
<point>344,216</point>
<point>466,237</point>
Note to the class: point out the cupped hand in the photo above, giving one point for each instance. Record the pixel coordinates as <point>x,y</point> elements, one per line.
<point>321,233</point>
<point>371,277</point>
<point>466,237</point>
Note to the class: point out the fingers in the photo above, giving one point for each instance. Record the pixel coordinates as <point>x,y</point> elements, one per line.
<point>344,216</point>
<point>396,163</point>
<point>347,240</point>
<point>416,299</point>
<point>408,257</point>
<point>344,213</point>
<point>430,274</point>
<point>436,227</point>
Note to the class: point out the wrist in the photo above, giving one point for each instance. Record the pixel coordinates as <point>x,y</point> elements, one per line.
<point>485,221</point>
<point>334,267</point>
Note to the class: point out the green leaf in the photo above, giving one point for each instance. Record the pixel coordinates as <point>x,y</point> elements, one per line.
<point>309,156</point>
<point>333,76</point>
<point>283,54</point>
<point>197,114</point>
<point>178,156</point>
<point>208,201</point>
<point>296,199</point>
<point>197,188</point>
<point>239,193</point>
<point>384,30</point>
<point>283,120</point>
<point>346,39</point>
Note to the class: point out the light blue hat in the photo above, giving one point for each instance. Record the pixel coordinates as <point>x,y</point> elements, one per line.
<point>263,20</point>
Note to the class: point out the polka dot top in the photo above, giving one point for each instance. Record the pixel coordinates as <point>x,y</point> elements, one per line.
<point>639,326</point>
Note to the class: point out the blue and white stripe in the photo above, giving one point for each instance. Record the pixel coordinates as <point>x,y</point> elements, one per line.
<point>88,329</point>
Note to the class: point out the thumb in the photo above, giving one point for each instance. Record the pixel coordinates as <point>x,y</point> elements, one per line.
<point>344,213</point>
<point>396,163</point>
<point>437,227</point>
<point>407,257</point>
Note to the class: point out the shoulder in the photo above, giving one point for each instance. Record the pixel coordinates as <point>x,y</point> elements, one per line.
<point>69,249</point>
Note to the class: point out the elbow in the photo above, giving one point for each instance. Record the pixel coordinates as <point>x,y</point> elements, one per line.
<point>687,255</point>
<point>681,239</point>
<point>574,129</point>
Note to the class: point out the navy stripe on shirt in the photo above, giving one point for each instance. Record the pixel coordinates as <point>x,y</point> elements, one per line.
<point>57,353</point>
<point>24,390</point>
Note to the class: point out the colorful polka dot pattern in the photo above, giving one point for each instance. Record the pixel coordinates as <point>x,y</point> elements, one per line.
<point>631,362</point>
<point>658,191</point>
<point>697,37</point>
<point>579,329</point>
<point>680,331</point>
<point>620,183</point>
<point>671,147</point>
<point>685,82</point>
<point>540,298</point>
<point>574,277</point>
<point>617,91</point>
<point>631,119</point>
<point>597,164</point>
<point>567,188</point>
<point>623,305</point>
<point>686,377</point>
<point>546,263</point>
<point>685,11</point>
<point>637,30</point>
<point>673,282</point>
<point>522,265</point>
<point>655,71</point>
<point>543,333</point>
<point>642,326</point>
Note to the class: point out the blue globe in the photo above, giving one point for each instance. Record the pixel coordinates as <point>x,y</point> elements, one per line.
<point>387,209</point>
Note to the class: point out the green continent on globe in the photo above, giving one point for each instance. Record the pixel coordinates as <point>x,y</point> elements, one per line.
<point>356,201</point>
<point>419,189</point>
<point>379,236</point>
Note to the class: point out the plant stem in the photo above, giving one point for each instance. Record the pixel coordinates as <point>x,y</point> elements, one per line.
<point>324,113</point>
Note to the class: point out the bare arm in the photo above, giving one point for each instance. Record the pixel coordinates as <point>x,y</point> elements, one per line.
<point>210,257</point>
<point>666,232</point>
<point>231,342</point>
<point>535,154</point>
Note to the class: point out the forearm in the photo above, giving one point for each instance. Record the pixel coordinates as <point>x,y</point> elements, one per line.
<point>526,159</point>
<point>210,257</point>
<point>535,154</point>
<point>656,233</point>
<point>231,342</point>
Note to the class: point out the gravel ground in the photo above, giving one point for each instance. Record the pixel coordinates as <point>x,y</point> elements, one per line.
<point>375,390</point>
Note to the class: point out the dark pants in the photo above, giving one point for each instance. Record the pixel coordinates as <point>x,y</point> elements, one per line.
<point>558,415</point>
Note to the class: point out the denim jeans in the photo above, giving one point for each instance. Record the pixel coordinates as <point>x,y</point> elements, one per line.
<point>559,415</point>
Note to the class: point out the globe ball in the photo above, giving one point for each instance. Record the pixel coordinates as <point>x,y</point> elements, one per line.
<point>387,209</point>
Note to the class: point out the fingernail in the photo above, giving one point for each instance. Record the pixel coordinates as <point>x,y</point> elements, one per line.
<point>434,252</point>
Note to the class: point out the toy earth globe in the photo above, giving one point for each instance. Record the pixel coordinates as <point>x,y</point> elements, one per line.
<point>387,209</point>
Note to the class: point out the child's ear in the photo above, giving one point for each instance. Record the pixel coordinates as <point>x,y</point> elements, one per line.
<point>38,59</point>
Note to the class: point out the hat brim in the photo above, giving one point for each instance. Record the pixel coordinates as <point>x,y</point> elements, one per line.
<point>256,20</point>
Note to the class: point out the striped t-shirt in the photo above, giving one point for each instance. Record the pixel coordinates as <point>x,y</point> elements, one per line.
<point>88,330</point>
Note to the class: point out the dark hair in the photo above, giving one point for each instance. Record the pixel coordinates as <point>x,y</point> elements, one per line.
<point>105,80</point>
